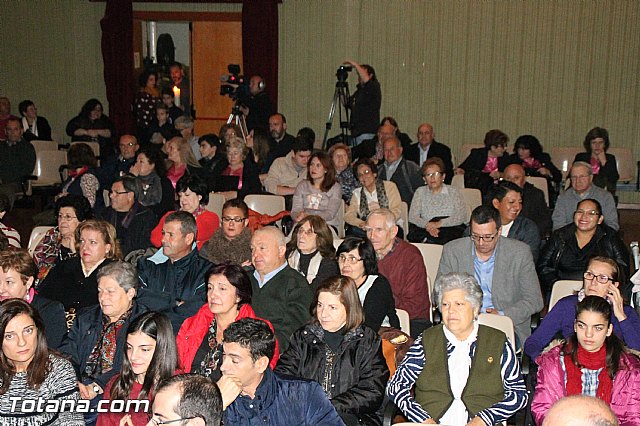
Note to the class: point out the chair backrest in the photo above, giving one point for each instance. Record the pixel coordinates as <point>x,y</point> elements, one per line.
<point>458,181</point>
<point>500,322</point>
<point>540,183</point>
<point>40,146</point>
<point>466,148</point>
<point>216,201</point>
<point>36,235</point>
<point>405,323</point>
<point>561,154</point>
<point>106,197</point>
<point>47,165</point>
<point>337,242</point>
<point>340,219</point>
<point>404,215</point>
<point>563,288</point>
<point>431,254</point>
<point>266,204</point>
<point>472,198</point>
<point>625,163</point>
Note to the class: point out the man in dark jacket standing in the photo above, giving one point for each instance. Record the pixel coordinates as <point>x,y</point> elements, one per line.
<point>175,287</point>
<point>253,395</point>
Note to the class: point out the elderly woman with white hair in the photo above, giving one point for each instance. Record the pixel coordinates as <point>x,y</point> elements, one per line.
<point>454,366</point>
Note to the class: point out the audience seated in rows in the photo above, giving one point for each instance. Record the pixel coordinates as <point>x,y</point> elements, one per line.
<point>336,350</point>
<point>310,250</point>
<point>534,206</point>
<point>200,337</point>
<point>582,188</point>
<point>74,281</point>
<point>446,364</point>
<point>592,362</point>
<point>194,196</point>
<point>569,249</point>
<point>232,240</point>
<point>438,211</point>
<point>401,263</point>
<point>175,287</point>
<point>357,260</point>
<point>373,194</point>
<point>601,277</point>
<point>427,147</point>
<point>280,293</point>
<point>503,267</point>
<point>319,194</point>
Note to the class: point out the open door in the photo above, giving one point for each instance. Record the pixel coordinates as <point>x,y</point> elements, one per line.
<point>214,45</point>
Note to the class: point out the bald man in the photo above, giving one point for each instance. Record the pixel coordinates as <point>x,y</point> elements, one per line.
<point>428,147</point>
<point>534,206</point>
<point>580,410</point>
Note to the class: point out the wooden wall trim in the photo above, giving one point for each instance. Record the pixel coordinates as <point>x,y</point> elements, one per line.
<point>187,16</point>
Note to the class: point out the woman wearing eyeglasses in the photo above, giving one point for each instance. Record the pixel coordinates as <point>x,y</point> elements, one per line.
<point>602,278</point>
<point>310,250</point>
<point>357,260</point>
<point>232,241</point>
<point>566,254</point>
<point>438,211</point>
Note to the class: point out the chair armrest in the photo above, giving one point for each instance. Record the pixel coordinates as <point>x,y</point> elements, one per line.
<point>390,411</point>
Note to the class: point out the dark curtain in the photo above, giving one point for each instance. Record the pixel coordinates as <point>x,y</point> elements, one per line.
<point>117,55</point>
<point>260,43</point>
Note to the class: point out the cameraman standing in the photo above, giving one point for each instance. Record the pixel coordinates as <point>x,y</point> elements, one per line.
<point>365,104</point>
<point>257,108</point>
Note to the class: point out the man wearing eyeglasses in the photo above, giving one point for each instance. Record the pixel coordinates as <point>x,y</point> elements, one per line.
<point>118,166</point>
<point>582,188</point>
<point>186,400</point>
<point>503,266</point>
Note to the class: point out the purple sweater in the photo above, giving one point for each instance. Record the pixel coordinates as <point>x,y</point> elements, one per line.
<point>561,317</point>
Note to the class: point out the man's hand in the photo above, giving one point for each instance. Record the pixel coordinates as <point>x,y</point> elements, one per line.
<point>230,387</point>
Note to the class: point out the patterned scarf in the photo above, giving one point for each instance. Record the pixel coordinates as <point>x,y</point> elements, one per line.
<point>211,360</point>
<point>383,201</point>
<point>589,361</point>
<point>103,354</point>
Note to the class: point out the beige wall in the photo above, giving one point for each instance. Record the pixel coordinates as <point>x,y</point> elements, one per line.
<point>553,69</point>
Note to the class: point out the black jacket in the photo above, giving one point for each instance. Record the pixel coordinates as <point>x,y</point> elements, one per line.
<point>535,208</point>
<point>83,336</point>
<point>133,228</point>
<point>436,149</point>
<point>407,178</point>
<point>52,313</point>
<point>250,179</point>
<point>359,372</point>
<point>606,242</point>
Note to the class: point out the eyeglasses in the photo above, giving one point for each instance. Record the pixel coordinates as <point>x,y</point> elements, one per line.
<point>228,219</point>
<point>166,422</point>
<point>602,279</point>
<point>434,174</point>
<point>351,260</point>
<point>66,217</point>
<point>587,212</point>
<point>486,238</point>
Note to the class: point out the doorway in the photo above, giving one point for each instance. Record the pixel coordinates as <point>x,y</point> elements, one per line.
<point>205,43</point>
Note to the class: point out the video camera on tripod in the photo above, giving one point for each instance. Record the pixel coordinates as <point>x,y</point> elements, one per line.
<point>340,102</point>
<point>237,89</point>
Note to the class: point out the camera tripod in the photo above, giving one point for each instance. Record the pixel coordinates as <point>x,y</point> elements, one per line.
<point>237,117</point>
<point>340,101</point>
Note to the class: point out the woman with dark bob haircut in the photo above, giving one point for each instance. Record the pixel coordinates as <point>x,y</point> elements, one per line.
<point>338,351</point>
<point>357,260</point>
<point>528,152</point>
<point>59,243</point>
<point>485,165</point>
<point>200,337</point>
<point>30,372</point>
<point>150,357</point>
<point>91,125</point>
<point>194,195</point>
<point>310,250</point>
<point>604,165</point>
<point>35,127</point>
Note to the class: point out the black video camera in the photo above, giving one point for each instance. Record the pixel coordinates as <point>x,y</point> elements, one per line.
<point>234,84</point>
<point>343,72</point>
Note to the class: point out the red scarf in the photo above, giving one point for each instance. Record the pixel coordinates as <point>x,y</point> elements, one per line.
<point>591,361</point>
<point>78,172</point>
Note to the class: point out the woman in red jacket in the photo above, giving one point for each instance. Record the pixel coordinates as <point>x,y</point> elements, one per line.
<point>200,337</point>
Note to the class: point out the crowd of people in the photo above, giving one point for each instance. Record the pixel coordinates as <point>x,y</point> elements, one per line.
<point>148,295</point>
